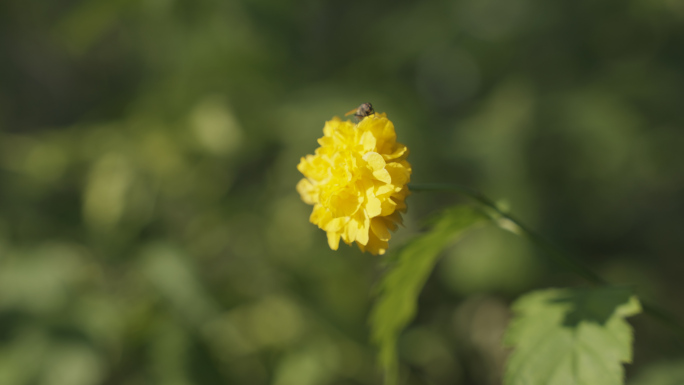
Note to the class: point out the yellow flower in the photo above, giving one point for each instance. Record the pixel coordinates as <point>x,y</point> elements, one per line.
<point>357,182</point>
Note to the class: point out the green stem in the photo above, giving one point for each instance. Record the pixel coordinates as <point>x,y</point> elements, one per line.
<point>556,253</point>
<point>553,251</point>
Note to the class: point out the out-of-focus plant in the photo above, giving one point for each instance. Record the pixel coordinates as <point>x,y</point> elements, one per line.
<point>561,336</point>
<point>149,228</point>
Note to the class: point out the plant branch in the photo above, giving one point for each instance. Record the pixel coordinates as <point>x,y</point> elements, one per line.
<point>558,255</point>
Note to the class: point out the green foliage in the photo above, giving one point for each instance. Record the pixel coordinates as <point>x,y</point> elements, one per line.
<point>571,336</point>
<point>489,260</point>
<point>150,232</point>
<point>401,286</point>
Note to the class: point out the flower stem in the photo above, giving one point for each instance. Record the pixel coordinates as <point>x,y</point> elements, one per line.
<point>558,255</point>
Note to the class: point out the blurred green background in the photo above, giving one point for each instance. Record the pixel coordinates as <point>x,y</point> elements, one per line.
<point>150,232</point>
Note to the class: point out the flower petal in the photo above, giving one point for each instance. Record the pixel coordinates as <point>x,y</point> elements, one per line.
<point>373,206</point>
<point>356,182</point>
<point>380,229</point>
<point>368,141</point>
<point>374,160</point>
<point>307,191</point>
<point>382,175</point>
<point>333,240</point>
<point>363,228</point>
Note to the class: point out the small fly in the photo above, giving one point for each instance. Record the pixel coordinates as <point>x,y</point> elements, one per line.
<point>362,111</point>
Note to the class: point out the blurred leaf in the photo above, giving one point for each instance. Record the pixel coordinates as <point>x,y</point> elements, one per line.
<point>661,373</point>
<point>147,166</point>
<point>571,336</point>
<point>489,260</point>
<point>73,364</point>
<point>40,280</point>
<point>313,364</point>
<point>23,358</point>
<point>174,277</point>
<point>105,195</point>
<point>215,126</point>
<point>88,21</point>
<point>400,287</point>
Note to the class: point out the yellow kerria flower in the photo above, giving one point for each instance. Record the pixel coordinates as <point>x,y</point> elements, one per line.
<point>356,182</point>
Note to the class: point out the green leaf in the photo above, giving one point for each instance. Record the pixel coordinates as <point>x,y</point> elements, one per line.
<point>571,336</point>
<point>400,287</point>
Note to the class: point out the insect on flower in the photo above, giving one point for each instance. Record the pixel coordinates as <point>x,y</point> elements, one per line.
<point>362,111</point>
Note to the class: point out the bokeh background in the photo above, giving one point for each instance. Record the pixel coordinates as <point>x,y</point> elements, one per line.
<point>150,232</point>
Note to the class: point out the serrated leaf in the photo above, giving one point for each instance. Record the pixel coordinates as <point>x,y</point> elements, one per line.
<point>400,287</point>
<point>571,336</point>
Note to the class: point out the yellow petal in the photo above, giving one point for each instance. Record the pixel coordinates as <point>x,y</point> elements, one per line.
<point>333,240</point>
<point>307,191</point>
<point>400,150</point>
<point>380,229</point>
<point>344,204</point>
<point>368,141</point>
<point>374,160</point>
<point>362,232</point>
<point>400,174</point>
<point>351,230</point>
<point>376,246</point>
<point>335,225</point>
<point>373,206</point>
<point>384,189</point>
<point>388,206</point>
<point>356,182</point>
<point>382,175</point>
<point>319,215</point>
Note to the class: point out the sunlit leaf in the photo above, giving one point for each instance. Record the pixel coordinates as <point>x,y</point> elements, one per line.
<point>571,336</point>
<point>400,287</point>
